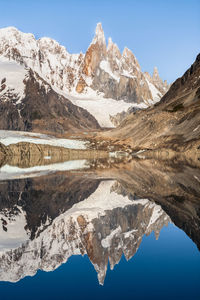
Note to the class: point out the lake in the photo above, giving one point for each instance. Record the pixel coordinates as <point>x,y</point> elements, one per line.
<point>100,230</point>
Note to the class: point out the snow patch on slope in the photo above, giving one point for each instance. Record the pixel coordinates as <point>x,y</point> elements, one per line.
<point>105,66</point>
<point>8,137</point>
<point>12,75</point>
<point>107,241</point>
<point>12,230</point>
<point>154,91</point>
<point>103,108</point>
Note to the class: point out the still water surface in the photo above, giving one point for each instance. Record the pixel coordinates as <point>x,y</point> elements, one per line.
<point>127,231</point>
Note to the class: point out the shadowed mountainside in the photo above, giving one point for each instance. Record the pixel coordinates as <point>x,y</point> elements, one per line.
<point>172,123</point>
<point>41,109</point>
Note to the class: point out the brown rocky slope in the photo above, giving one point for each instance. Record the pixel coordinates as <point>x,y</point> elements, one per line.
<point>172,123</point>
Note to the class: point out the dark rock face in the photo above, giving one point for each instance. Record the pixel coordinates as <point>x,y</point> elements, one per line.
<point>180,90</point>
<point>43,110</point>
<point>9,117</point>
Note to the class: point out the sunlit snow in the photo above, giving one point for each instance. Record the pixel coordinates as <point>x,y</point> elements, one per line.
<point>8,137</point>
<point>13,76</point>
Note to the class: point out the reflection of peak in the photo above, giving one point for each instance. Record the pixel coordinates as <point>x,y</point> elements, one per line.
<point>104,226</point>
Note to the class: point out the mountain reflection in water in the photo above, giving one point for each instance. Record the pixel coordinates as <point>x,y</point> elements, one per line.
<point>102,211</point>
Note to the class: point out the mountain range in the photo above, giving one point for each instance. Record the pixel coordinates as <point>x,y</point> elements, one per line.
<point>43,86</point>
<point>45,89</point>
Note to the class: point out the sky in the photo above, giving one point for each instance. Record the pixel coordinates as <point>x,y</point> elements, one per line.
<point>162,33</point>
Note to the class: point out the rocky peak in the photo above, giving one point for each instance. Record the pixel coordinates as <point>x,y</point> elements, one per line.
<point>8,31</point>
<point>161,85</point>
<point>130,58</point>
<point>187,84</point>
<point>99,36</point>
<point>28,102</point>
<point>155,74</point>
<point>166,85</point>
<point>148,76</point>
<point>50,45</point>
<point>127,53</point>
<point>12,36</point>
<point>113,50</point>
<point>94,55</point>
<point>14,32</point>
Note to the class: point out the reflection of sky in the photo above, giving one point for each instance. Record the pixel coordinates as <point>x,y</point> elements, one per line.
<point>165,269</point>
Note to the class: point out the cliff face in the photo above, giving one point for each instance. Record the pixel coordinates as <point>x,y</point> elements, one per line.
<point>171,123</point>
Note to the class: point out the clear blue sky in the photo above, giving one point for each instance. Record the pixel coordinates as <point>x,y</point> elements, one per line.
<point>162,33</point>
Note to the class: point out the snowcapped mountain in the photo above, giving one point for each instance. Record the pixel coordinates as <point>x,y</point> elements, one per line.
<point>103,73</point>
<point>102,69</point>
<point>104,225</point>
<point>115,75</point>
